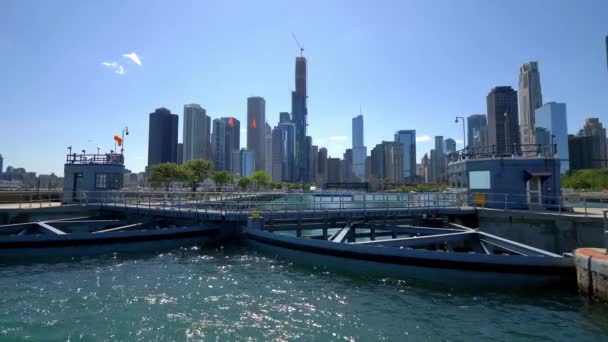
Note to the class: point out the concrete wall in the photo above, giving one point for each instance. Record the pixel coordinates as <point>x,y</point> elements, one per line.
<point>549,231</point>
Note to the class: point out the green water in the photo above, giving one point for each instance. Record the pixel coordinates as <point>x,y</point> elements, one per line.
<point>236,293</point>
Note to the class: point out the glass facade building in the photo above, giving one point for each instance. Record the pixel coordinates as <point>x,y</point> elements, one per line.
<point>407,138</point>
<point>552,128</point>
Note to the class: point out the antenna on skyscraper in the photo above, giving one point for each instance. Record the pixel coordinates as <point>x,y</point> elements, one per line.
<point>296,39</point>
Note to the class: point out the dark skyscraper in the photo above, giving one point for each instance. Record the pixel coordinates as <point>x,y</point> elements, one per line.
<point>503,119</point>
<point>162,137</point>
<point>299,112</point>
<point>256,131</point>
<point>284,117</point>
<point>232,139</point>
<point>477,130</point>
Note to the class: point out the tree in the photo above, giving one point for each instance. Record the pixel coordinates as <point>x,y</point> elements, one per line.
<point>166,174</point>
<point>221,178</point>
<point>260,178</point>
<point>196,171</point>
<point>244,183</point>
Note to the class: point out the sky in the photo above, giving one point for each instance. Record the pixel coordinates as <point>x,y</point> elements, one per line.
<point>75,73</point>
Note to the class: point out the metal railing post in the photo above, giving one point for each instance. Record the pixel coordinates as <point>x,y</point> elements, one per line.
<point>506,196</point>
<point>585,204</point>
<point>606,230</point>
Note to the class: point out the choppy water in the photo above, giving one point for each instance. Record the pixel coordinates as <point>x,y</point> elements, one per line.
<point>235,293</point>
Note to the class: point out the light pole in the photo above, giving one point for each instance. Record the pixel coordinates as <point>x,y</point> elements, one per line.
<point>464,136</point>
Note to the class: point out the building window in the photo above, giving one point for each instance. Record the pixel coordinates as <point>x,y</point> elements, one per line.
<point>101,181</point>
<point>114,180</point>
<point>479,180</point>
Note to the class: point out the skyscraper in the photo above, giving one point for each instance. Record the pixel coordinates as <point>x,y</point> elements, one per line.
<point>289,171</point>
<point>503,121</point>
<point>284,117</point>
<point>407,138</point>
<point>449,145</point>
<point>299,112</point>
<point>322,165</point>
<point>268,150</point>
<point>1,164</point>
<point>530,98</point>
<point>195,133</point>
<point>438,161</point>
<point>552,128</point>
<point>232,140</point>
<point>162,137</point>
<point>219,142</point>
<point>359,149</point>
<point>180,153</point>
<point>477,129</point>
<point>279,150</point>
<point>247,162</point>
<point>256,130</point>
<point>387,162</point>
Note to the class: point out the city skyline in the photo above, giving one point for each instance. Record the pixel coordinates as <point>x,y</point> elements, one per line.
<point>572,56</point>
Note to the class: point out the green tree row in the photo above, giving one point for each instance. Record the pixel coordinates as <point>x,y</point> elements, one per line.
<point>590,179</point>
<point>194,172</point>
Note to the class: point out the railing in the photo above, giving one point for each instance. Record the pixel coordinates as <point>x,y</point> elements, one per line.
<point>108,158</point>
<point>218,202</point>
<point>565,204</point>
<point>511,151</point>
<point>29,199</point>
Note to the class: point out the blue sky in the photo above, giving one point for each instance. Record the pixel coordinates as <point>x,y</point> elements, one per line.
<point>408,64</point>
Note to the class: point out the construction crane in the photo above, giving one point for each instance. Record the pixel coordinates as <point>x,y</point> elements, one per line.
<point>296,39</point>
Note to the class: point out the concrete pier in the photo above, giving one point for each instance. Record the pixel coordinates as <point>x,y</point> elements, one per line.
<point>592,272</point>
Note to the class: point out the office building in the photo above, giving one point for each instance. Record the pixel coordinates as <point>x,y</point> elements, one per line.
<point>235,157</point>
<point>196,132</point>
<point>299,114</point>
<point>1,164</point>
<point>449,146</point>
<point>289,171</point>
<point>247,162</point>
<point>387,163</point>
<point>162,137</point>
<point>268,150</point>
<point>334,170</point>
<point>477,130</point>
<point>314,164</point>
<point>256,130</point>
<point>407,138</point>
<point>219,144</point>
<point>503,120</point>
<point>180,153</point>
<point>359,149</point>
<point>284,117</point>
<point>438,161</point>
<point>347,170</point>
<point>232,140</point>
<point>587,150</point>
<point>530,98</point>
<point>552,129</point>
<point>279,151</point>
<point>322,165</point>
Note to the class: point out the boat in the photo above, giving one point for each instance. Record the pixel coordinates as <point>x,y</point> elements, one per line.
<point>452,254</point>
<point>86,236</point>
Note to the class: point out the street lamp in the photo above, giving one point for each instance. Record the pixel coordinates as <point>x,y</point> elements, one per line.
<point>464,136</point>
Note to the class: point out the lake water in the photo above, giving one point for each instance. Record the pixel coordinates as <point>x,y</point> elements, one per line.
<point>236,293</point>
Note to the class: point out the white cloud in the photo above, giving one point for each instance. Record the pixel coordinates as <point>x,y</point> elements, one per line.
<point>423,138</point>
<point>338,138</point>
<point>134,57</point>
<point>117,68</point>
